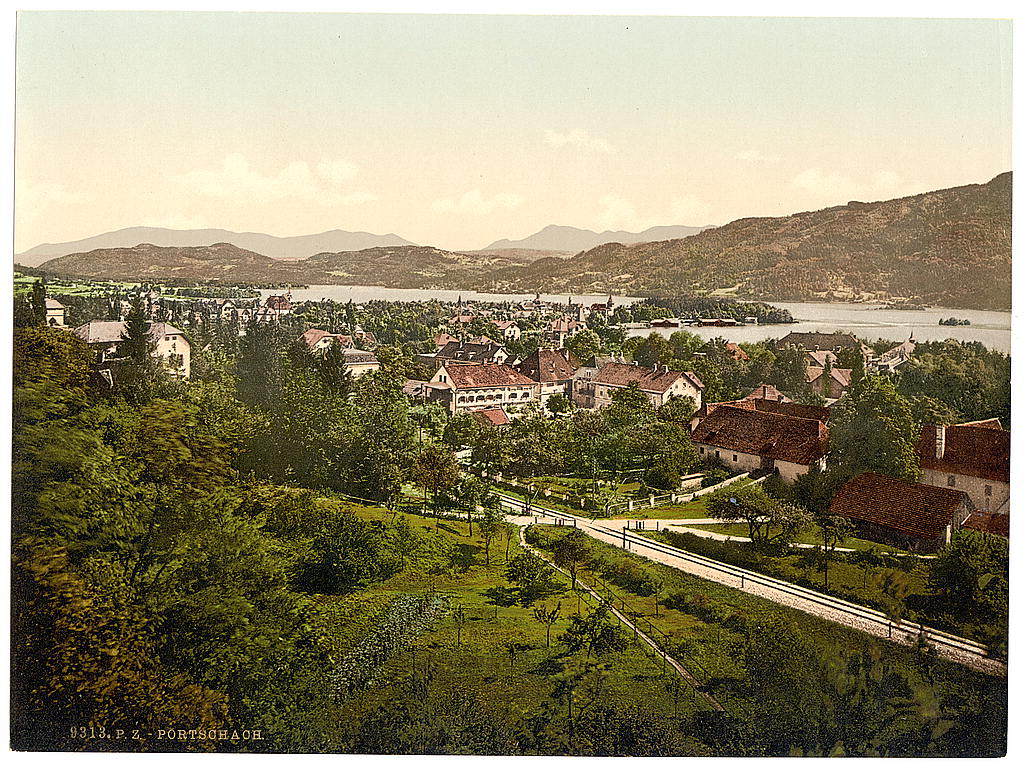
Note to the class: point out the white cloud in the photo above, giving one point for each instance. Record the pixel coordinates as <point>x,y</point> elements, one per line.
<point>238,182</point>
<point>578,138</point>
<point>756,157</point>
<point>474,203</point>
<point>838,188</point>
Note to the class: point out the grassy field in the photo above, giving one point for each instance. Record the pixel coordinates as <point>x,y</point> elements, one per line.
<point>453,675</point>
<point>807,536</point>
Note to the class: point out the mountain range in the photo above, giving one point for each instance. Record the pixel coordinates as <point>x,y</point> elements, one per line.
<point>265,244</point>
<point>572,240</point>
<point>946,248</point>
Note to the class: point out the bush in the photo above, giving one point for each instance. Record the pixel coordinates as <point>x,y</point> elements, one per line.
<point>705,608</point>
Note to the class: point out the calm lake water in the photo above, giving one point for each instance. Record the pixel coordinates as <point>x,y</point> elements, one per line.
<point>863,320</point>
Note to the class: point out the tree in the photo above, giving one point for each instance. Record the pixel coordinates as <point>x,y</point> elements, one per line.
<point>138,347</point>
<point>832,529</point>
<point>972,574</point>
<point>547,616</point>
<point>260,372</point>
<point>873,429</point>
<point>531,574</point>
<point>38,303</point>
<point>333,371</point>
<point>759,511</point>
<point>558,404</point>
<point>51,355</point>
<point>583,345</point>
<point>570,551</point>
<point>436,469</point>
<point>491,524</point>
<point>629,407</point>
<point>678,410</point>
<point>595,633</point>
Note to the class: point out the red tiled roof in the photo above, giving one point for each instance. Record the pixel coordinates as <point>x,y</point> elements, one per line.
<point>314,335</point>
<point>736,351</point>
<point>649,379</point>
<point>916,509</point>
<point>820,413</point>
<point>464,377</point>
<point>547,365</point>
<point>771,435</point>
<point>493,417</point>
<point>977,450</point>
<point>769,392</point>
<point>993,523</point>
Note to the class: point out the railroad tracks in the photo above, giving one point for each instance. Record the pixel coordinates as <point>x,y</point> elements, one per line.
<point>951,646</point>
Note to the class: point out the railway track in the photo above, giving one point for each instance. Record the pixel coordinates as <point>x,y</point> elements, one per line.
<point>972,653</point>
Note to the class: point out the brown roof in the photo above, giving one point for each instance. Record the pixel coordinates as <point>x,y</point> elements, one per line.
<point>278,302</point>
<point>818,341</point>
<point>840,376</point>
<point>977,450</point>
<point>806,411</point>
<point>473,352</point>
<point>464,377</point>
<point>992,424</point>
<point>547,365</point>
<point>736,351</point>
<point>649,379</point>
<point>993,523</point>
<point>771,435</point>
<point>493,417</point>
<point>916,509</point>
<point>314,335</point>
<point>769,392</point>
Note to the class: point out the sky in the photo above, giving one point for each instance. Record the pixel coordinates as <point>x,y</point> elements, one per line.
<point>456,131</point>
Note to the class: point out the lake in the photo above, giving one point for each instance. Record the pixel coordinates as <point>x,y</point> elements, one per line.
<point>863,320</point>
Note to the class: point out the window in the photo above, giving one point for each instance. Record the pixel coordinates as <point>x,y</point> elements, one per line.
<point>735,458</point>
<point>718,454</point>
<point>701,449</point>
<point>988,490</point>
<point>951,481</point>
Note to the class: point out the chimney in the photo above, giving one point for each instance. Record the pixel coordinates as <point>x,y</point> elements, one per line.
<point>664,369</point>
<point>940,442</point>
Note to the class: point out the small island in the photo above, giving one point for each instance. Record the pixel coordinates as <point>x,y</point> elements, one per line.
<point>954,321</point>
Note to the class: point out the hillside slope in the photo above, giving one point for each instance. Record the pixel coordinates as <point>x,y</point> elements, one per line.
<point>265,244</point>
<point>948,247</point>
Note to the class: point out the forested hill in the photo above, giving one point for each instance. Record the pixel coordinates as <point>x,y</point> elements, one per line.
<point>949,247</point>
<point>945,248</point>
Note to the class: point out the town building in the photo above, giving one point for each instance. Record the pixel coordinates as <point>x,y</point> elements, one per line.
<point>275,307</point>
<point>493,417</point>
<point>561,328</point>
<point>745,439</point>
<point>552,369</point>
<point>896,359</point>
<point>900,513</point>
<point>593,386</point>
<point>829,382</point>
<point>973,457</point>
<point>360,361</point>
<point>787,407</point>
<point>471,387</point>
<point>55,312</point>
<point>510,330</point>
<point>171,346</point>
<point>467,352</point>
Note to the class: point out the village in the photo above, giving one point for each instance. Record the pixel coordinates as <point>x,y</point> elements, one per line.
<point>964,481</point>
<point>848,480</point>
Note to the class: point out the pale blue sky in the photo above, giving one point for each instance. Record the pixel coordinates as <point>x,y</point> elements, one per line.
<point>458,130</point>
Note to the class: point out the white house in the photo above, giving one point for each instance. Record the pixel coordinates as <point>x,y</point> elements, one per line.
<point>476,386</point>
<point>55,313</point>
<point>172,346</point>
<point>593,386</point>
<point>973,457</point>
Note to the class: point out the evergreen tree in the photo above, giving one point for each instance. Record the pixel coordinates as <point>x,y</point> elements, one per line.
<point>333,371</point>
<point>260,373</point>
<point>38,302</point>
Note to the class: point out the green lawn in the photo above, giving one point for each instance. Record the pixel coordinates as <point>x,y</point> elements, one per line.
<point>454,677</point>
<point>692,510</point>
<point>807,536</point>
